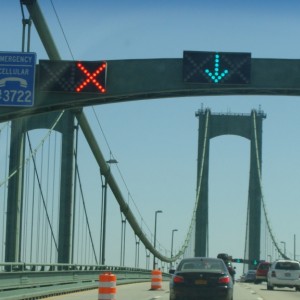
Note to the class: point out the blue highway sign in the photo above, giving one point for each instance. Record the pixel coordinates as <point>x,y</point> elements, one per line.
<point>17,75</point>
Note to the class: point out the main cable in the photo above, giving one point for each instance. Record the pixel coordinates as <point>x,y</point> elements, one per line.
<point>62,29</point>
<point>261,189</point>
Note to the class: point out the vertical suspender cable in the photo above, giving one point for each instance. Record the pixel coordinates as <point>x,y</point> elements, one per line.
<point>79,233</point>
<point>43,200</point>
<point>53,196</point>
<point>39,221</point>
<point>86,216</point>
<point>4,194</point>
<point>74,193</point>
<point>260,182</point>
<point>247,234</point>
<point>32,219</point>
<point>26,213</point>
<point>47,201</point>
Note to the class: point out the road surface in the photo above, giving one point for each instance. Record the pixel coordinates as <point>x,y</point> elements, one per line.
<point>141,291</point>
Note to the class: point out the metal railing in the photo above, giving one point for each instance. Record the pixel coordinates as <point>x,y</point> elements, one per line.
<point>34,281</point>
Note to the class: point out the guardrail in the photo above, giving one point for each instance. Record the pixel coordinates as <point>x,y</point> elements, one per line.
<point>34,281</point>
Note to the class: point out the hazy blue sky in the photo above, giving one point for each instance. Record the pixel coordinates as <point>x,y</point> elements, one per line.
<point>155,141</point>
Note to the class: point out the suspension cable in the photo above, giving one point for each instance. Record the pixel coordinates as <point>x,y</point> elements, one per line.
<point>42,196</point>
<point>247,233</point>
<point>191,227</point>
<point>32,220</point>
<point>119,171</point>
<point>4,190</point>
<point>190,230</point>
<point>32,153</point>
<point>53,196</point>
<point>62,30</point>
<point>25,210</point>
<point>47,197</point>
<point>85,212</point>
<point>260,183</point>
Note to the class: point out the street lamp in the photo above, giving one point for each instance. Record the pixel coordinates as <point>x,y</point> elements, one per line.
<point>174,230</point>
<point>284,251</point>
<point>137,251</point>
<point>156,212</point>
<point>270,257</point>
<point>103,211</point>
<point>123,237</point>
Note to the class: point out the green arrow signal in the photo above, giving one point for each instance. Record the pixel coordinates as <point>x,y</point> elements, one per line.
<point>216,76</point>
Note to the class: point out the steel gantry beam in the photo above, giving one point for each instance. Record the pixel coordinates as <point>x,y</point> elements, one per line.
<point>141,79</point>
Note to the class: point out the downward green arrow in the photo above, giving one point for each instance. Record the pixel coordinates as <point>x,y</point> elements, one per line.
<point>216,76</point>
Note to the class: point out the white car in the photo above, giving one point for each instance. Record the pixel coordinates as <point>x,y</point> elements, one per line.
<point>284,273</point>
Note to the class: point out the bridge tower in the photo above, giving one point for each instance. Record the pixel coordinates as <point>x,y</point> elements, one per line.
<point>66,126</point>
<point>248,126</point>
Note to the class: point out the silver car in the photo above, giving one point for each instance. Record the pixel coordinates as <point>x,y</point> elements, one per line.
<point>284,273</point>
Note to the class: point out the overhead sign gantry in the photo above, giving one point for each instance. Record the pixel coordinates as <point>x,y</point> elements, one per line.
<point>71,84</point>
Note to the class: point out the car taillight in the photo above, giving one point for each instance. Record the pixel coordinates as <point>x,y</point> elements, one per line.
<point>225,279</point>
<point>178,279</point>
<point>273,274</point>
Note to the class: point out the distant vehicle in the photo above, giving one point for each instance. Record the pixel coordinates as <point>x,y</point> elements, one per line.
<point>201,277</point>
<point>284,273</point>
<point>250,276</point>
<point>226,258</point>
<point>223,256</point>
<point>262,272</point>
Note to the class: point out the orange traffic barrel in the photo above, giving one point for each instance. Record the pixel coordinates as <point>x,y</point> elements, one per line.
<point>156,279</point>
<point>107,286</point>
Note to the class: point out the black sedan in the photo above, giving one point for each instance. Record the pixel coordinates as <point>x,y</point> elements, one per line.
<point>201,278</point>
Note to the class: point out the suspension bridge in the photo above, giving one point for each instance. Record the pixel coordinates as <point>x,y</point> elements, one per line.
<point>44,213</point>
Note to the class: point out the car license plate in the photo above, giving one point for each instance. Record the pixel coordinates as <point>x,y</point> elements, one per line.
<point>200,282</point>
<point>287,274</point>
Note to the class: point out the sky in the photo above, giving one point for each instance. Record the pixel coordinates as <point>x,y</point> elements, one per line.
<point>155,141</point>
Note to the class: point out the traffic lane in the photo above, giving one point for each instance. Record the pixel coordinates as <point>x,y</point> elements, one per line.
<point>259,292</point>
<point>134,291</point>
<point>142,291</point>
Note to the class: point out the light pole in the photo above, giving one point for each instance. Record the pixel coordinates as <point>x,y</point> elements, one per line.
<point>294,246</point>
<point>172,240</point>
<point>137,251</point>
<point>103,211</point>
<point>270,258</point>
<point>155,222</point>
<point>284,248</point>
<point>147,259</point>
<point>123,237</point>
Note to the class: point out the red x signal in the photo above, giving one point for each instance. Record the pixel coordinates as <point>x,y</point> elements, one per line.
<point>91,78</point>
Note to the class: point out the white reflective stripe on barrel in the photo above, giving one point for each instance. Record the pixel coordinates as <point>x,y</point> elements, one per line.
<point>107,283</point>
<point>106,297</point>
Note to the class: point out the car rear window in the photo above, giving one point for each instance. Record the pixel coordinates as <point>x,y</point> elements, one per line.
<point>203,265</point>
<point>287,266</point>
<point>264,267</point>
